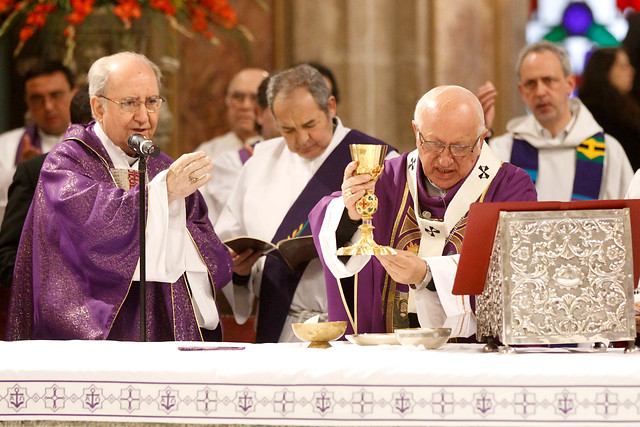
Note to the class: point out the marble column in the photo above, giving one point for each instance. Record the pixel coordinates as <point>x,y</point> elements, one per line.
<point>388,53</point>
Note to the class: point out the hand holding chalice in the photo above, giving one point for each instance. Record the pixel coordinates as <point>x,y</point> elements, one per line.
<point>370,159</point>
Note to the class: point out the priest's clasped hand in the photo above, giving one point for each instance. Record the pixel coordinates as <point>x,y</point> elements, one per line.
<point>353,188</point>
<point>404,267</point>
<point>187,174</point>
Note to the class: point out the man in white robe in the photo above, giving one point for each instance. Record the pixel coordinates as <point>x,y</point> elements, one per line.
<point>227,165</point>
<point>49,88</point>
<point>560,145</point>
<point>241,97</point>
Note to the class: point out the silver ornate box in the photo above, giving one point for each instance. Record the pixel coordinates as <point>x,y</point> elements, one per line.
<point>559,277</point>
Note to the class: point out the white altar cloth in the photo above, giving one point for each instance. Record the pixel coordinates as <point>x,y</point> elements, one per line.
<point>288,384</point>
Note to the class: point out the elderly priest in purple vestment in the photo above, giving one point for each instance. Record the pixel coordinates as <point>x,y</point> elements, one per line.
<point>424,197</point>
<point>77,270</point>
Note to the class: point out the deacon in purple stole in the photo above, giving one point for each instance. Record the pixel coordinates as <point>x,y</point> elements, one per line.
<point>79,249</point>
<point>381,304</point>
<point>279,282</point>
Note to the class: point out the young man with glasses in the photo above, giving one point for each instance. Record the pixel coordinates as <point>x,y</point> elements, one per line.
<point>49,87</point>
<point>424,197</point>
<point>76,274</point>
<point>560,145</point>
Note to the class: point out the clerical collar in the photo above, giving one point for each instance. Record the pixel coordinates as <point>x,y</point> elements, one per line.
<point>433,190</point>
<point>119,158</point>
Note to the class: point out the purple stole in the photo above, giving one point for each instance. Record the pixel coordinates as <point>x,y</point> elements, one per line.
<point>244,155</point>
<point>279,283</point>
<point>589,165</point>
<point>30,132</point>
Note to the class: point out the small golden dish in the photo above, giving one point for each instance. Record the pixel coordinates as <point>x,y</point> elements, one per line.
<point>319,334</point>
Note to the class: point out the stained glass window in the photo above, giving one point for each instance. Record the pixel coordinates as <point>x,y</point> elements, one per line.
<point>579,26</point>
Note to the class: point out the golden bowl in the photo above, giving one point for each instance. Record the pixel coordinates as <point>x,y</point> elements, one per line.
<point>319,334</point>
<point>430,338</point>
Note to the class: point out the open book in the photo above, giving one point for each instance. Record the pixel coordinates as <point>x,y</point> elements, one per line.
<point>295,251</point>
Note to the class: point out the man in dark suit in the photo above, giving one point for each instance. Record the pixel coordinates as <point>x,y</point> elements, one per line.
<point>21,192</point>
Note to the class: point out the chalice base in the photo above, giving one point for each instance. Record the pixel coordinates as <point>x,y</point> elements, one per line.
<point>366,245</point>
<point>319,344</point>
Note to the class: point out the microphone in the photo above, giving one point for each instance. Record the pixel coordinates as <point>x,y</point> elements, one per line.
<point>142,146</point>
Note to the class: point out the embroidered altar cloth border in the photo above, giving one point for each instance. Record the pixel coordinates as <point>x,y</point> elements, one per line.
<point>288,384</point>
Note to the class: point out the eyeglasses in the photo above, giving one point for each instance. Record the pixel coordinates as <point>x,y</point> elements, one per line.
<point>238,97</point>
<point>438,147</point>
<point>132,105</point>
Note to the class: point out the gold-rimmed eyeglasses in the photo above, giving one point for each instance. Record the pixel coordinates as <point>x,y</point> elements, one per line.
<point>439,147</point>
<point>132,105</point>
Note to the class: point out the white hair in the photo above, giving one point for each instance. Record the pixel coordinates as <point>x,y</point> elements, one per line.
<point>99,72</point>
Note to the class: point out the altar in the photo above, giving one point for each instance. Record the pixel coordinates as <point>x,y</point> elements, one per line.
<point>288,384</point>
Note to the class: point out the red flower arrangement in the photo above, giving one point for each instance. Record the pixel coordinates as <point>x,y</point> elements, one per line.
<point>201,14</point>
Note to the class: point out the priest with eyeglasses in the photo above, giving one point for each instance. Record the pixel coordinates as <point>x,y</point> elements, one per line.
<point>77,268</point>
<point>423,201</point>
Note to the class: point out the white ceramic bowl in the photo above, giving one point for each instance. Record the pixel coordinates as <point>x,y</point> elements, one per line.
<point>430,338</point>
<point>373,339</point>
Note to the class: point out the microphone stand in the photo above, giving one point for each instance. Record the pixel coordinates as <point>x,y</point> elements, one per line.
<point>142,169</point>
<point>143,147</point>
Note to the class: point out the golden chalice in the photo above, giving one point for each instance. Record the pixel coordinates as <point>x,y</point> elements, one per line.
<point>370,160</point>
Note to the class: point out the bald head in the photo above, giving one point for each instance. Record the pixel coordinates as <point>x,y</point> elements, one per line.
<point>242,93</point>
<point>449,128</point>
<point>444,101</point>
<point>247,78</point>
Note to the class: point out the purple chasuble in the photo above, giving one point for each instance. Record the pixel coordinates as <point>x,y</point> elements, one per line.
<point>279,283</point>
<point>79,249</point>
<point>30,132</point>
<point>395,225</point>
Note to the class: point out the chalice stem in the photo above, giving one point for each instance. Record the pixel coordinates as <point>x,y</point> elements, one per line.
<point>370,160</point>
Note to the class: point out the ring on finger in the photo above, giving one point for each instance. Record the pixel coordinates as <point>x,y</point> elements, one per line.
<point>192,179</point>
<point>347,192</point>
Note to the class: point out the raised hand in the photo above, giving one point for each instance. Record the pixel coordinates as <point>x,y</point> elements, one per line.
<point>487,95</point>
<point>187,174</point>
<point>28,150</point>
